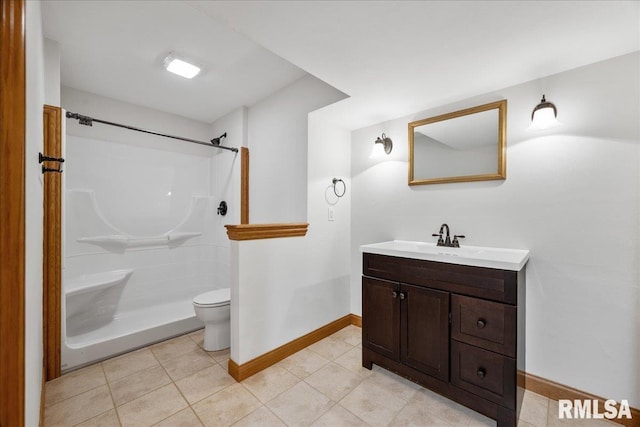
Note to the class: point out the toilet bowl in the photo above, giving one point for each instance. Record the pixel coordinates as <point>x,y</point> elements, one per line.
<point>214,309</point>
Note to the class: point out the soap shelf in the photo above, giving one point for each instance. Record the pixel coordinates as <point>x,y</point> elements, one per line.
<point>95,282</point>
<point>125,241</point>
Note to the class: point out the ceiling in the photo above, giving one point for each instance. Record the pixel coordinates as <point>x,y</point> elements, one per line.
<point>392,58</point>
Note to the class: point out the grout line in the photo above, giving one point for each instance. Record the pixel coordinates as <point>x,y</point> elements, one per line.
<point>113,401</point>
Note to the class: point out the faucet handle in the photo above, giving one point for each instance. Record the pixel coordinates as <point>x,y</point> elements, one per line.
<point>456,243</point>
<point>440,240</point>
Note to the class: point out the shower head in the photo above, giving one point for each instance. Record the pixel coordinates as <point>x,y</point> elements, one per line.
<point>216,141</point>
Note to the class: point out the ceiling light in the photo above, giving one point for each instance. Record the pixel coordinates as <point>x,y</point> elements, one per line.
<point>180,67</point>
<point>544,115</point>
<point>381,146</point>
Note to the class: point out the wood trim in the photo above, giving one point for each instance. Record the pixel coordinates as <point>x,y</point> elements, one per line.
<point>13,105</point>
<point>42,399</point>
<point>244,185</point>
<point>266,231</point>
<point>52,245</point>
<point>355,320</point>
<point>244,371</point>
<point>557,391</point>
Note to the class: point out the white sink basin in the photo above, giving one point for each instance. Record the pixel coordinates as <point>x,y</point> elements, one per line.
<point>478,256</point>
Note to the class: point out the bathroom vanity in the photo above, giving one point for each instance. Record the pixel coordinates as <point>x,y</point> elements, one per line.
<point>450,319</point>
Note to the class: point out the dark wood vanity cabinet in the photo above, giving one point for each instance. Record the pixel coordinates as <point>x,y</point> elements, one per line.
<point>455,329</point>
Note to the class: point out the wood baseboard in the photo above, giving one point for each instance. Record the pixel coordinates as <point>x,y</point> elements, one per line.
<point>557,391</point>
<point>241,372</point>
<point>356,320</point>
<point>42,397</point>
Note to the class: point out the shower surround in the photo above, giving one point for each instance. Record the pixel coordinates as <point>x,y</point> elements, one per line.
<point>141,240</point>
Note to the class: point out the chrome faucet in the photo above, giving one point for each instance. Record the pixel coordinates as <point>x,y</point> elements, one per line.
<point>447,240</point>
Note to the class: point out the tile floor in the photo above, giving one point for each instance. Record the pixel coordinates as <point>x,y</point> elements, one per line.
<point>177,383</point>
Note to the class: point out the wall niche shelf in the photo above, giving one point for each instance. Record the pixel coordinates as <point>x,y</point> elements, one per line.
<point>123,241</point>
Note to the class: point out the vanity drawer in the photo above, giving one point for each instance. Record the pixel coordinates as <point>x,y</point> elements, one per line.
<point>487,283</point>
<point>486,324</point>
<point>484,373</point>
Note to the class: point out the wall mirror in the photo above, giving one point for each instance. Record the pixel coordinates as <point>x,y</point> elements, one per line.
<point>466,145</point>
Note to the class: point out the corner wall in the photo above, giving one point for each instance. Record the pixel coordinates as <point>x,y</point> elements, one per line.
<point>35,82</point>
<point>571,197</point>
<point>277,137</point>
<point>284,288</point>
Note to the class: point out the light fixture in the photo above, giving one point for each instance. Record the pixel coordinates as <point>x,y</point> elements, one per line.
<point>543,115</point>
<point>180,67</point>
<point>381,146</point>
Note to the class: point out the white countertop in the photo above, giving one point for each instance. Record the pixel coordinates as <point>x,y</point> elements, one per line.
<point>477,256</point>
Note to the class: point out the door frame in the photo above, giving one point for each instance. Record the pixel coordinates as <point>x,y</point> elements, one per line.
<point>52,244</point>
<point>13,105</point>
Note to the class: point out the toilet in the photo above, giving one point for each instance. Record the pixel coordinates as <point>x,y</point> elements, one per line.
<point>214,309</point>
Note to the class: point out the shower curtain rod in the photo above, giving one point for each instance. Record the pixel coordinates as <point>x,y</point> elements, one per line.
<point>88,121</point>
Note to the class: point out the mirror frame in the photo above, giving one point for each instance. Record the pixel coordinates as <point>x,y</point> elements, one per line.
<point>501,173</point>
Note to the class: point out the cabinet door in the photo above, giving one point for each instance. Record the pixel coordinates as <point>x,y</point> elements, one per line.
<point>425,330</point>
<point>380,317</point>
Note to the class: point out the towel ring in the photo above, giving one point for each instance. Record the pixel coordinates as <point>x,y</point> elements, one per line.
<point>344,187</point>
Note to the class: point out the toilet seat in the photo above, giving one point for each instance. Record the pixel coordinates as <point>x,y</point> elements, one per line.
<point>215,298</point>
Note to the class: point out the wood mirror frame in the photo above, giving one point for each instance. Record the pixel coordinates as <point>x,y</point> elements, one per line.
<point>501,145</point>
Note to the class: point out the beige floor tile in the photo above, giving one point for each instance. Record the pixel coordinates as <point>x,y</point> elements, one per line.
<point>330,348</point>
<point>334,381</point>
<point>267,384</point>
<point>338,416</point>
<point>351,335</point>
<point>74,383</point>
<point>184,418</point>
<point>152,407</point>
<point>198,337</point>
<point>129,363</point>
<point>301,405</point>
<point>303,363</point>
<point>204,383</point>
<point>443,408</point>
<point>534,409</point>
<point>373,404</point>
<point>187,364</point>
<point>261,417</point>
<point>400,387</point>
<point>173,348</point>
<point>221,356</point>
<point>415,415</point>
<point>226,406</point>
<point>138,384</point>
<point>352,360</point>
<point>476,419</point>
<point>107,419</point>
<point>79,408</point>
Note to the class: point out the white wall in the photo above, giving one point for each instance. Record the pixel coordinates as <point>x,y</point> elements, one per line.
<point>277,139</point>
<point>52,72</point>
<point>284,288</point>
<point>226,179</point>
<point>35,81</point>
<point>571,197</point>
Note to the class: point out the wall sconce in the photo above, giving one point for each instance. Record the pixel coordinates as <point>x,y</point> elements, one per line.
<point>544,115</point>
<point>381,146</point>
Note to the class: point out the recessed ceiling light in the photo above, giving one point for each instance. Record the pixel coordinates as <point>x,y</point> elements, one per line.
<point>180,67</point>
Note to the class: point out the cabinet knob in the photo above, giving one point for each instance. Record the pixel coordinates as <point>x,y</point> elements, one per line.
<point>403,295</point>
<point>481,373</point>
<point>481,323</point>
<point>394,294</point>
